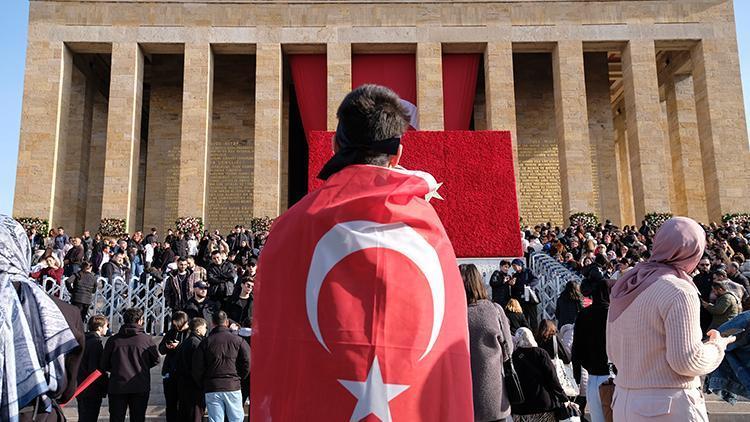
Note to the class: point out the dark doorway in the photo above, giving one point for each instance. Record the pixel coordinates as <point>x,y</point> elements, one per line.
<point>298,152</point>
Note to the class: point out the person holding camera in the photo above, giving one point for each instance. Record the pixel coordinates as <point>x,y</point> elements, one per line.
<point>168,347</point>
<point>522,285</point>
<point>500,284</point>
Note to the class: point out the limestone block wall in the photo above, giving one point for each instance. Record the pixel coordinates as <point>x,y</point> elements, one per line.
<point>231,162</point>
<point>164,129</point>
<point>539,170</point>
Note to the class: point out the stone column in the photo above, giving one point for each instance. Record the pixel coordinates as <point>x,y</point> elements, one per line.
<point>622,162</point>
<point>430,85</point>
<point>46,94</point>
<point>97,158</point>
<point>721,126</point>
<point>500,93</point>
<point>684,144</point>
<point>339,66</point>
<point>70,193</point>
<point>197,101</point>
<point>645,133</point>
<point>119,199</point>
<point>268,118</point>
<point>602,137</point>
<point>571,117</point>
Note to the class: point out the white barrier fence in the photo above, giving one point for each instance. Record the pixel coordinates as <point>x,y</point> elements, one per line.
<point>553,277</point>
<point>113,296</point>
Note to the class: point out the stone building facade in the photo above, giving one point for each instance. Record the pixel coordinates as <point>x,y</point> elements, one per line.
<point>148,111</point>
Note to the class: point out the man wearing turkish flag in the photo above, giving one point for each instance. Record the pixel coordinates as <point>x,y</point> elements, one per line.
<point>360,311</point>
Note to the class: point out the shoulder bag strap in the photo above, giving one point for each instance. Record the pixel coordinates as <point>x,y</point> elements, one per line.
<point>554,346</point>
<point>504,343</point>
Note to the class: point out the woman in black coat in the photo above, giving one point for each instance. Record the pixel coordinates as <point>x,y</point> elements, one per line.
<point>515,315</point>
<point>541,388</point>
<point>569,304</point>
<point>546,336</point>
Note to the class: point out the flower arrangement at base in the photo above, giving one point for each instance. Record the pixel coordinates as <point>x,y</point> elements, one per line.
<point>112,227</point>
<point>41,225</point>
<point>736,218</point>
<point>261,224</point>
<point>189,224</point>
<point>585,219</point>
<point>656,219</point>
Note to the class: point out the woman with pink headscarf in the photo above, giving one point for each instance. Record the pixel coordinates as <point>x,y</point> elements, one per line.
<point>654,334</point>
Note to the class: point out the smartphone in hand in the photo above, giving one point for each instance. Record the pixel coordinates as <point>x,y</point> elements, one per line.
<point>732,332</point>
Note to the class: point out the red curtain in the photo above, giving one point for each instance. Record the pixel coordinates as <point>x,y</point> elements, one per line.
<point>459,89</point>
<point>396,71</point>
<point>309,73</point>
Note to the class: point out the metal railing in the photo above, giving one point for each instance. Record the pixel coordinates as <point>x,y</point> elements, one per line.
<point>553,277</point>
<point>115,295</point>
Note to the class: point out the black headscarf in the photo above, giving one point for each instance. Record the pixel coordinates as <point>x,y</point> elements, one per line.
<point>351,150</point>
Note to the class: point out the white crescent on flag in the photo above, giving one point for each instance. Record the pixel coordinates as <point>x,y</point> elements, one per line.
<point>346,238</point>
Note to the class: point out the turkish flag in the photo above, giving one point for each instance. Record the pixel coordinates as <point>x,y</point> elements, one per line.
<point>360,311</point>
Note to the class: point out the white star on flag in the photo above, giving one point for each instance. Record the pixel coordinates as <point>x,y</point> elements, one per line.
<point>373,395</point>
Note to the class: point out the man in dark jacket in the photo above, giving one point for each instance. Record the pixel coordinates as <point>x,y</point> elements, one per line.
<point>221,277</point>
<point>200,305</point>
<point>168,347</point>
<point>82,286</point>
<point>180,245</point>
<point>178,289</point>
<point>703,281</point>
<point>192,402</point>
<point>90,399</point>
<point>219,365</point>
<point>523,278</point>
<point>499,283</point>
<point>239,306</point>
<point>128,357</point>
<point>73,258</point>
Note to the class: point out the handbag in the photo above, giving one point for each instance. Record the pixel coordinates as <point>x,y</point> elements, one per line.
<point>530,295</point>
<point>564,373</point>
<point>511,381</point>
<point>568,412</point>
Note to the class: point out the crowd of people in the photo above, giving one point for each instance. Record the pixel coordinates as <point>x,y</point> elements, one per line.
<point>601,254</point>
<point>208,282</point>
<point>661,300</point>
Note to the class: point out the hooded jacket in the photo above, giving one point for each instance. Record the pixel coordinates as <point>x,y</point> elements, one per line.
<point>128,357</point>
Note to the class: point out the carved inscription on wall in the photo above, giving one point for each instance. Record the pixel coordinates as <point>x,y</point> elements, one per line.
<point>539,171</point>
<point>230,169</point>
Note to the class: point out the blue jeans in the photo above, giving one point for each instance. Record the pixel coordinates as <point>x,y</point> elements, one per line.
<point>593,401</point>
<point>225,402</point>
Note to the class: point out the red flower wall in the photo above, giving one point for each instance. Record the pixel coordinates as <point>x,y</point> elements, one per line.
<point>480,210</point>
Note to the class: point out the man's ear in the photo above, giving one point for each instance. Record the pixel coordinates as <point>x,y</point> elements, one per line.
<point>393,162</point>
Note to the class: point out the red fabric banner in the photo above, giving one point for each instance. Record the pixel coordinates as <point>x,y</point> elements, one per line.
<point>480,210</point>
<point>360,312</point>
<point>396,71</point>
<point>310,86</point>
<point>460,73</point>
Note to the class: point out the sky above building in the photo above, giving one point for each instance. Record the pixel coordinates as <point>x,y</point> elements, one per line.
<point>13,28</point>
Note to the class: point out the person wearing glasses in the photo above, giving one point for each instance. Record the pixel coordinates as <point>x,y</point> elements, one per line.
<point>703,281</point>
<point>239,306</point>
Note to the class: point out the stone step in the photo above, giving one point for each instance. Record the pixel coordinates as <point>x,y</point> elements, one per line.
<point>718,411</point>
